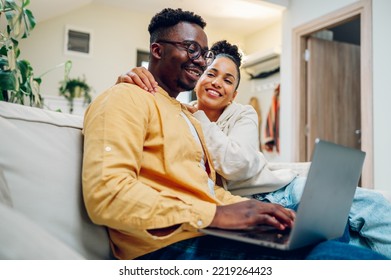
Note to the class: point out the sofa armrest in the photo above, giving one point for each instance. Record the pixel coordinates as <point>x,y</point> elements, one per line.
<point>300,167</point>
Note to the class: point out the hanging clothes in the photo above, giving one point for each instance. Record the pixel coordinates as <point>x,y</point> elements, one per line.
<point>255,103</point>
<point>272,128</point>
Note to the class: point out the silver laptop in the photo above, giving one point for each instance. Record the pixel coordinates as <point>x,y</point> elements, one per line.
<point>324,207</point>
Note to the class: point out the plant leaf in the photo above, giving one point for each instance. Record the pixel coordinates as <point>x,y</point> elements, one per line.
<point>25,70</point>
<point>35,91</point>
<point>11,59</point>
<point>25,3</point>
<point>20,20</point>
<point>7,80</point>
<point>29,22</point>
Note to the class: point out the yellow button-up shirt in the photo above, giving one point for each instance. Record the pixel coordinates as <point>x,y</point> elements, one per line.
<point>141,170</point>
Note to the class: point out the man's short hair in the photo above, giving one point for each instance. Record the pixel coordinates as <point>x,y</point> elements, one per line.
<point>160,24</point>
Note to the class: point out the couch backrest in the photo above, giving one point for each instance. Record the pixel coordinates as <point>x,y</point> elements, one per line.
<point>41,157</point>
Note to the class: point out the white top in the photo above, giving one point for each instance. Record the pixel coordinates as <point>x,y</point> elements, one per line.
<point>193,131</point>
<point>233,144</point>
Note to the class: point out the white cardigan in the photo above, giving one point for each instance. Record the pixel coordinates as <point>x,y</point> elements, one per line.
<point>233,145</point>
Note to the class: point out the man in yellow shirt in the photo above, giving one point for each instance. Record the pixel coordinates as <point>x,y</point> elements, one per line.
<point>147,175</point>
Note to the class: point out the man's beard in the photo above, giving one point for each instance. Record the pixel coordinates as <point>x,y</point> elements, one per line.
<point>185,86</point>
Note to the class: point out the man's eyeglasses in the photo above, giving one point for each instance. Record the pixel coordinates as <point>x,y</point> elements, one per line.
<point>194,50</point>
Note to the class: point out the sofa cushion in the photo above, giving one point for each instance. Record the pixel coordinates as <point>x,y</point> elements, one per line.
<point>21,238</point>
<point>5,196</point>
<point>41,157</point>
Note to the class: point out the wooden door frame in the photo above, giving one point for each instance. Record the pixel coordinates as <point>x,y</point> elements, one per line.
<point>363,9</point>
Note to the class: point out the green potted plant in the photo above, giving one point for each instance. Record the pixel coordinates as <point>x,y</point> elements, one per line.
<point>17,82</point>
<point>72,88</point>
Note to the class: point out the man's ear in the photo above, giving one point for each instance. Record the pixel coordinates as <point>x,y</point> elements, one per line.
<point>156,50</point>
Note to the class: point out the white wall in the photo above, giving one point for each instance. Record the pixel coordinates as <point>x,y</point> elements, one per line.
<point>266,38</point>
<point>303,11</point>
<point>382,92</point>
<point>117,34</point>
<point>215,35</point>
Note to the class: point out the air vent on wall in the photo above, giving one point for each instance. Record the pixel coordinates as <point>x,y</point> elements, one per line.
<point>78,41</point>
<point>262,61</point>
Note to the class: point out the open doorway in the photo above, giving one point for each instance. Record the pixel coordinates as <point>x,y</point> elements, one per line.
<point>333,91</point>
<point>337,106</point>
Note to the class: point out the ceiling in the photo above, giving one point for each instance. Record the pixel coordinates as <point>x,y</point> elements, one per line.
<point>238,16</point>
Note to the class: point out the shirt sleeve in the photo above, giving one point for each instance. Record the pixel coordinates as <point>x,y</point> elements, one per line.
<point>227,197</point>
<point>235,156</point>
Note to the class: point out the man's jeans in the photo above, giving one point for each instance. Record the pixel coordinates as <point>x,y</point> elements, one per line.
<point>369,218</point>
<point>216,248</point>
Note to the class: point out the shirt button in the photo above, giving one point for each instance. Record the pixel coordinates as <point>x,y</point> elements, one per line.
<point>108,149</point>
<point>199,223</point>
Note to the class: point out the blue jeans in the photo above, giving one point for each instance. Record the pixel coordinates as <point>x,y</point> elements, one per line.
<point>215,248</point>
<point>369,217</point>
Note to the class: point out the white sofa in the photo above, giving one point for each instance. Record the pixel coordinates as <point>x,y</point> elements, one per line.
<point>42,214</point>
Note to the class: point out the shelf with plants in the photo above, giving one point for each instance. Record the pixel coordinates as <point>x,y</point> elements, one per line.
<point>72,88</point>
<point>17,81</point>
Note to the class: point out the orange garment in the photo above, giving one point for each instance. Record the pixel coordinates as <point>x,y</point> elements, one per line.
<point>272,128</point>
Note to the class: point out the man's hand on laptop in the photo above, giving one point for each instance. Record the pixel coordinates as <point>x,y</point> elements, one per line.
<point>250,213</point>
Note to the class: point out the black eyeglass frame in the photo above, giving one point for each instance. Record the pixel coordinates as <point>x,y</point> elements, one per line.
<point>208,55</point>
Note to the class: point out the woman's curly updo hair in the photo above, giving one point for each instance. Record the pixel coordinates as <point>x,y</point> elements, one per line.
<point>224,49</point>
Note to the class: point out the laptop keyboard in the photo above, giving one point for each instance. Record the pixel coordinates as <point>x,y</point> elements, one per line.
<point>267,233</point>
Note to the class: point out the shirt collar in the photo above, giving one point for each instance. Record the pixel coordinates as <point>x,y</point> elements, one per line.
<point>167,96</point>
